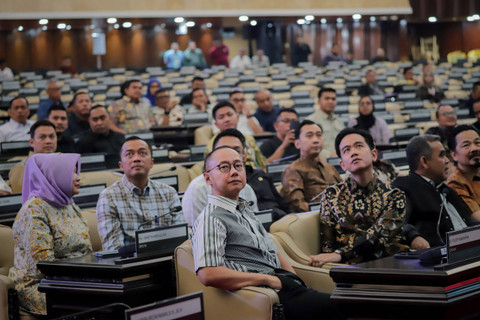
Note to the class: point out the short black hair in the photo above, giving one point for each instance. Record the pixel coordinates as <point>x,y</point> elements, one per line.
<point>197,78</point>
<point>222,104</point>
<point>161,90</point>
<point>452,143</point>
<point>96,107</point>
<point>286,110</point>
<point>348,131</point>
<point>325,89</point>
<point>127,84</point>
<point>231,132</point>
<point>135,138</point>
<point>209,155</point>
<point>305,122</point>
<point>55,107</point>
<point>475,85</point>
<point>76,95</point>
<point>196,89</point>
<point>418,147</point>
<point>406,69</point>
<point>40,123</point>
<point>16,98</point>
<point>234,92</point>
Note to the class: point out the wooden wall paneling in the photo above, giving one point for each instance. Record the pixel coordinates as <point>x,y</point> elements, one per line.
<point>358,40</point>
<point>471,38</point>
<point>404,43</point>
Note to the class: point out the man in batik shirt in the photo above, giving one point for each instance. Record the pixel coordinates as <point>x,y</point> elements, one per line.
<point>361,218</point>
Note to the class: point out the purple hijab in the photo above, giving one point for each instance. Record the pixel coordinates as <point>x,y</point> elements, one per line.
<point>49,176</point>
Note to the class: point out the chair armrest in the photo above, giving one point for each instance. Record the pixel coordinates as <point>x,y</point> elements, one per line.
<point>291,248</point>
<point>316,278</point>
<point>5,284</point>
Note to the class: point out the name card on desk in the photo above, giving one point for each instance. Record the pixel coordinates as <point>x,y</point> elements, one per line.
<point>463,244</point>
<point>161,239</point>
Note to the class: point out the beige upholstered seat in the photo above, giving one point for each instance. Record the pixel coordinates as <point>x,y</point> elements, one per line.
<point>91,217</point>
<point>202,135</point>
<point>6,262</point>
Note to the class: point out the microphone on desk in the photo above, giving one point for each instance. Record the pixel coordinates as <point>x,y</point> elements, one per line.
<point>129,249</point>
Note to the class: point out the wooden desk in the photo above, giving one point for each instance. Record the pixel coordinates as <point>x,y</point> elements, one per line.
<point>78,284</point>
<point>392,288</point>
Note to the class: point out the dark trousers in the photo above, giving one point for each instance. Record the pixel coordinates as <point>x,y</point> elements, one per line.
<point>300,302</point>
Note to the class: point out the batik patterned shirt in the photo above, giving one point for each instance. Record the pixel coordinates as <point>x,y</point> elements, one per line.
<point>362,223</point>
<point>468,191</point>
<point>130,116</point>
<point>42,232</point>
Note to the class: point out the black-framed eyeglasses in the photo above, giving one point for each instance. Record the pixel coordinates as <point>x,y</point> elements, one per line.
<point>225,167</point>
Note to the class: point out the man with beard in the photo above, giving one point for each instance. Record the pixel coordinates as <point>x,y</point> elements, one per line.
<point>465,178</point>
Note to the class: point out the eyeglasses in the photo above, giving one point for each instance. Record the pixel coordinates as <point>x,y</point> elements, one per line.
<point>225,167</point>
<point>366,103</point>
<point>238,100</point>
<point>448,114</point>
<point>287,120</point>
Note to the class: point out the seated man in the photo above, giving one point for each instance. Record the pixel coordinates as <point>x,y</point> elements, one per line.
<point>78,117</point>
<point>18,127</point>
<point>135,199</point>
<point>100,138</point>
<point>247,123</point>
<point>197,82</point>
<point>195,198</point>
<point>433,209</point>
<point>130,114</point>
<point>58,116</point>
<point>200,102</point>
<point>43,139</point>
<point>307,177</point>
<point>167,112</point>
<point>225,116</point>
<point>283,144</point>
<point>465,178</point>
<point>447,120</point>
<point>231,249</point>
<point>361,219</point>
<point>476,111</point>
<point>371,86</point>
<point>54,92</point>
<point>266,113</point>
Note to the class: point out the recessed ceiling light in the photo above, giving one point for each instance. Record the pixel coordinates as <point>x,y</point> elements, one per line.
<point>208,24</point>
<point>357,16</point>
<point>43,21</point>
<point>476,17</point>
<point>179,19</point>
<point>309,17</point>
<point>253,23</point>
<point>301,21</point>
<point>127,24</point>
<point>190,24</point>
<point>44,28</point>
<point>243,18</point>
<point>112,20</point>
<point>20,28</point>
<point>61,25</point>
<point>116,26</point>
<point>339,20</point>
<point>470,18</point>
<point>432,19</point>
<point>323,20</point>
<point>373,19</point>
<point>69,27</point>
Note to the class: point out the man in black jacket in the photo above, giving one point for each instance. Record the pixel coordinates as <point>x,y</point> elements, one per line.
<point>433,209</point>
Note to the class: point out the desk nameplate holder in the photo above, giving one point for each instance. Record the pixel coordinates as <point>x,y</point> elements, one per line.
<point>463,247</point>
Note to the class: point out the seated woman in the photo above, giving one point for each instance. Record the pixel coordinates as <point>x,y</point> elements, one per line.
<point>428,90</point>
<point>49,226</point>
<point>153,86</point>
<point>367,121</point>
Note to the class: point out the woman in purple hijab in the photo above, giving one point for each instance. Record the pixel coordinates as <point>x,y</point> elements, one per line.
<point>49,226</point>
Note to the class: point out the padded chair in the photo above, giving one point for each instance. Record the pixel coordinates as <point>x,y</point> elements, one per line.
<point>6,262</point>
<point>91,217</point>
<point>158,170</point>
<point>203,134</point>
<point>95,177</point>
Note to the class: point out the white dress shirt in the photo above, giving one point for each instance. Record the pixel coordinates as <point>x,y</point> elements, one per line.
<point>15,131</point>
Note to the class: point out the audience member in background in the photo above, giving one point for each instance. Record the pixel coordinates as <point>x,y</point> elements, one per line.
<point>330,123</point>
<point>67,67</point>
<point>226,117</point>
<point>18,127</point>
<point>409,77</point>
<point>43,139</point>
<point>433,208</point>
<point>307,177</point>
<point>4,187</point>
<point>283,144</point>
<point>78,117</point>
<point>153,86</point>
<point>247,123</point>
<point>476,112</point>
<point>334,56</point>
<point>135,199</point>
<point>428,90</point>
<point>266,113</point>
<point>200,102</point>
<point>167,112</point>
<point>129,114</point>
<point>472,99</point>
<point>5,72</point>
<point>300,51</point>
<point>54,92</point>
<point>241,61</point>
<point>58,116</point>
<point>447,121</point>
<point>197,82</point>
<point>377,127</point>
<point>100,138</point>
<point>219,53</point>
<point>49,226</point>
<point>370,87</point>
<point>361,218</point>
<point>465,178</point>
<point>231,249</point>
<point>380,57</point>
<point>173,58</point>
<point>260,60</point>
<point>195,198</point>
<point>193,56</point>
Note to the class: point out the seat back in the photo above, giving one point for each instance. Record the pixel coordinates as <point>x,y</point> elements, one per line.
<point>246,303</point>
<point>303,228</point>
<point>6,253</point>
<point>91,217</point>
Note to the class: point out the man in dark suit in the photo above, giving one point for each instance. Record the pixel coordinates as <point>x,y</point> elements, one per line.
<point>433,208</point>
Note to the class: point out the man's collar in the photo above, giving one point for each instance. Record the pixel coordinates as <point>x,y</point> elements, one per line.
<point>440,186</point>
<point>128,99</point>
<point>354,186</point>
<point>18,124</point>
<point>327,116</point>
<point>134,189</point>
<point>227,203</point>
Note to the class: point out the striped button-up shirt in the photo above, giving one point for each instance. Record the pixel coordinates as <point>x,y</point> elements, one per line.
<point>228,234</point>
<point>122,207</point>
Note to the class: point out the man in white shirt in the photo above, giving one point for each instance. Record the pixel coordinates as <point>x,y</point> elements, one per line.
<point>247,123</point>
<point>18,127</point>
<point>5,72</point>
<point>260,60</point>
<point>241,61</point>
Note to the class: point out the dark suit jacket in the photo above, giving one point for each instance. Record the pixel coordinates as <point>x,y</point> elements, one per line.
<point>423,209</point>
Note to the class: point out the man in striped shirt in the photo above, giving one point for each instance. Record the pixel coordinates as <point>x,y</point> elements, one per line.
<point>232,249</point>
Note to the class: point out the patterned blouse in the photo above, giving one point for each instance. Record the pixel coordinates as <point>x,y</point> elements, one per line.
<point>42,232</point>
<point>362,223</point>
